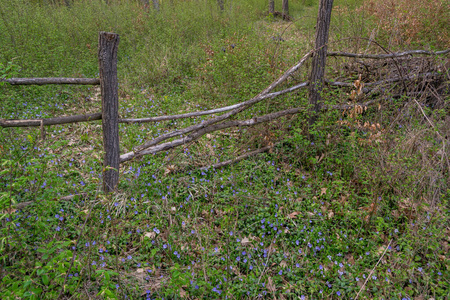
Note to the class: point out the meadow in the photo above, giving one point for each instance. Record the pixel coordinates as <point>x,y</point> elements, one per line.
<point>355,205</point>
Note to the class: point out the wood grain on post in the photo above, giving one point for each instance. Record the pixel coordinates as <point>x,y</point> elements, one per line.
<point>320,55</point>
<point>107,61</point>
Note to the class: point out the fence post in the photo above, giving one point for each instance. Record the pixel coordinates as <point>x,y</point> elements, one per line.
<point>107,62</point>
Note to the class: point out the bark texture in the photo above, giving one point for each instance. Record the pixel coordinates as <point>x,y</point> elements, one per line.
<point>285,9</point>
<point>107,61</point>
<point>320,55</point>
<point>271,6</point>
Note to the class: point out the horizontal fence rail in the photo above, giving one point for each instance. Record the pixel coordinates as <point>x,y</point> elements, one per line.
<point>51,80</point>
<point>50,121</point>
<point>390,55</point>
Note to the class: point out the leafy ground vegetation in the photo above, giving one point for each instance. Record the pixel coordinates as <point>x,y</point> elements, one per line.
<point>356,206</point>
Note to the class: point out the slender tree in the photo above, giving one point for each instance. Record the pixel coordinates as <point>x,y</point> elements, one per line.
<point>285,9</point>
<point>156,5</point>
<point>221,4</point>
<point>271,6</point>
<point>319,58</point>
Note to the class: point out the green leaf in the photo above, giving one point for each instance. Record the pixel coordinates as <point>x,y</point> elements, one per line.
<point>45,279</point>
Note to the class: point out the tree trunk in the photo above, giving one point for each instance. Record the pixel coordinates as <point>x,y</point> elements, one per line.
<point>271,6</point>
<point>221,4</point>
<point>285,9</point>
<point>319,58</point>
<point>107,62</point>
<point>156,5</point>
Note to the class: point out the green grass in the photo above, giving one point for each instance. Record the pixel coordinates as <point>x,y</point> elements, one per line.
<point>330,206</point>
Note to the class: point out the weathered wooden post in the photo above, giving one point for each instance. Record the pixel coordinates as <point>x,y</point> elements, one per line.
<point>320,56</point>
<point>107,62</point>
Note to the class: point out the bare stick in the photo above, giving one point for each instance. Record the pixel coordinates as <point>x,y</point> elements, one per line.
<point>181,116</point>
<point>50,121</point>
<point>202,131</point>
<point>51,80</point>
<point>212,111</point>
<point>391,55</point>
<point>394,79</point>
<point>371,272</point>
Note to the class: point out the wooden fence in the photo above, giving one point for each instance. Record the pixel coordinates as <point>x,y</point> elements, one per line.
<point>107,63</point>
<point>107,58</point>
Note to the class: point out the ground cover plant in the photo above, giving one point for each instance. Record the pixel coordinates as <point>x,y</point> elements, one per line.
<point>355,206</point>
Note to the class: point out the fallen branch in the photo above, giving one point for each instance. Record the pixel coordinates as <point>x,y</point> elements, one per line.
<point>391,55</point>
<point>212,111</point>
<point>371,272</point>
<point>51,80</point>
<point>394,79</point>
<point>258,98</point>
<point>204,130</point>
<point>22,205</point>
<point>50,121</point>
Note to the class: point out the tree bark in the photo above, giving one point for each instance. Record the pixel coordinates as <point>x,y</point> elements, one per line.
<point>107,60</point>
<point>285,9</point>
<point>156,5</point>
<point>221,4</point>
<point>319,58</point>
<point>271,6</point>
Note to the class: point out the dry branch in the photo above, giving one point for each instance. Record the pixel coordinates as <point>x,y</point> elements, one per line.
<point>212,111</point>
<point>204,130</point>
<point>50,121</point>
<point>391,55</point>
<point>51,80</point>
<point>394,79</point>
<point>261,96</point>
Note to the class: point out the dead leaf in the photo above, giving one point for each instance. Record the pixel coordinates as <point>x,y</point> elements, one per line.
<point>245,241</point>
<point>350,259</point>
<point>169,169</point>
<point>150,234</point>
<point>270,286</point>
<point>182,293</point>
<point>140,270</point>
<point>381,250</point>
<point>330,214</point>
<point>293,215</point>
<point>323,191</point>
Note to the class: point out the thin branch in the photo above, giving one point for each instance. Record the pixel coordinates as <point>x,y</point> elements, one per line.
<point>50,121</point>
<point>204,130</point>
<point>367,279</point>
<point>212,111</point>
<point>181,116</point>
<point>391,55</point>
<point>394,79</point>
<point>51,80</point>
